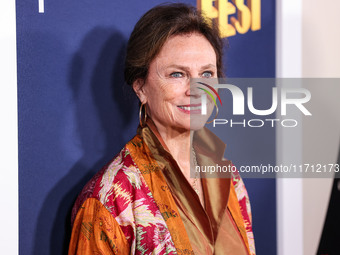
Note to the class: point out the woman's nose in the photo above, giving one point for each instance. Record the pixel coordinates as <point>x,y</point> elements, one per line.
<point>193,88</point>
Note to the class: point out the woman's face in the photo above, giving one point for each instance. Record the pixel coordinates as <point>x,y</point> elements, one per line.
<point>170,101</point>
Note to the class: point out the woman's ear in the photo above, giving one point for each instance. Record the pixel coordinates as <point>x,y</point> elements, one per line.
<point>138,87</point>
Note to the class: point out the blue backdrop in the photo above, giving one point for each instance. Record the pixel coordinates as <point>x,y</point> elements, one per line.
<point>75,114</point>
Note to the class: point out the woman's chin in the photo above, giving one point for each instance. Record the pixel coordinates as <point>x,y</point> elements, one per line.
<point>198,122</point>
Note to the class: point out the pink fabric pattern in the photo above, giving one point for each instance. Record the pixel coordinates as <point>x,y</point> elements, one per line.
<point>243,198</point>
<point>121,188</point>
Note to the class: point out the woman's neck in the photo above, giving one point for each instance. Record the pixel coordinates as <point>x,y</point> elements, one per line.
<point>178,143</point>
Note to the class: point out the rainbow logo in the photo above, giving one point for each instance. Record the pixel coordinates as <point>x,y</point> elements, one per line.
<point>210,94</point>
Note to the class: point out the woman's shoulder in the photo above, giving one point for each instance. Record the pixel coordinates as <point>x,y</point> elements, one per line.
<point>116,182</point>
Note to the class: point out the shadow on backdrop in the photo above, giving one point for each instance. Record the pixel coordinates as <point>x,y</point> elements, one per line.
<point>103,110</point>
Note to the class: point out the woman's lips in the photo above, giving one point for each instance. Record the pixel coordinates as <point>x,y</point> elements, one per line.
<point>192,108</point>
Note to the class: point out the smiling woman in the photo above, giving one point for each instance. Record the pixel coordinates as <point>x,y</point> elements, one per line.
<point>145,201</point>
<point>166,90</point>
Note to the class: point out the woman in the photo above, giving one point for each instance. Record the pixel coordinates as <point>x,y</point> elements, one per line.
<point>144,201</point>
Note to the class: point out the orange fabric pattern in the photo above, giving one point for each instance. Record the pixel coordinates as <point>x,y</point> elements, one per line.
<point>95,231</point>
<point>140,203</point>
<point>166,204</point>
<point>234,208</point>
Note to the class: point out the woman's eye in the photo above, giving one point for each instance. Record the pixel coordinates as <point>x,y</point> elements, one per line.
<point>207,74</point>
<point>176,74</point>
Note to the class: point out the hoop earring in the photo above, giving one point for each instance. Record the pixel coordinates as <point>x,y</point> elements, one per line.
<point>140,115</point>
<point>215,116</point>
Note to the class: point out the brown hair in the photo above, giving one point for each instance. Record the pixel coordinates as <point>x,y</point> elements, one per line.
<point>156,26</point>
